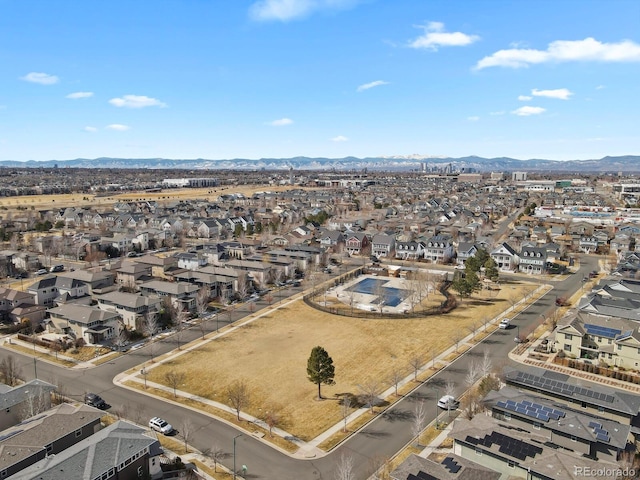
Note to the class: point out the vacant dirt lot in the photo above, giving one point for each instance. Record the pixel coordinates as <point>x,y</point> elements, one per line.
<point>271,355</point>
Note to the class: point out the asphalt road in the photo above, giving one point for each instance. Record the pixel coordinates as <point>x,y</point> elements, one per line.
<point>380,439</point>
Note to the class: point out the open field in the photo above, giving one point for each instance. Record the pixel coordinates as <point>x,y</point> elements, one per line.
<point>271,355</point>
<point>82,199</point>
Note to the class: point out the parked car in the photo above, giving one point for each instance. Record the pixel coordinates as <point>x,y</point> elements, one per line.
<point>160,425</point>
<point>448,402</point>
<point>57,268</point>
<point>504,323</point>
<point>42,271</point>
<point>95,400</point>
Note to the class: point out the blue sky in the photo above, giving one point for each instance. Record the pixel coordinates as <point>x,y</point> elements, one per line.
<point>223,79</point>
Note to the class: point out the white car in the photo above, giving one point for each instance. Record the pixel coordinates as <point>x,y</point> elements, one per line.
<point>160,425</point>
<point>505,323</point>
<point>448,402</point>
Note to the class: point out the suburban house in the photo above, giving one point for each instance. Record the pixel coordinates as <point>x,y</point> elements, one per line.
<point>465,250</point>
<point>44,290</point>
<point>134,309</point>
<point>97,282</point>
<point>10,299</point>
<point>182,295</point>
<point>505,257</point>
<point>588,244</point>
<point>208,228</point>
<point>611,340</point>
<point>410,250</point>
<point>121,451</point>
<point>620,243</point>
<point>92,324</point>
<point>219,285</point>
<point>46,435</point>
<point>452,467</point>
<point>332,239</point>
<point>382,245</point>
<point>439,248</point>
<point>191,260</point>
<point>48,289</point>
<point>159,266</point>
<point>517,453</point>
<point>598,438</point>
<point>356,243</point>
<point>16,402</point>
<point>130,273</point>
<point>533,260</point>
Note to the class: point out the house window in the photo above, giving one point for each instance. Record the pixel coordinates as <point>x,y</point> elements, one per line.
<point>478,451</point>
<point>49,448</point>
<point>140,471</point>
<point>568,336</point>
<point>599,339</point>
<point>610,356</point>
<point>574,438</point>
<point>536,425</point>
<point>78,432</point>
<point>619,347</point>
<point>567,347</point>
<point>610,341</point>
<point>507,416</point>
<point>512,464</point>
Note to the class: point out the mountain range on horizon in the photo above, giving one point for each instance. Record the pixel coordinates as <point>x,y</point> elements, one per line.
<point>608,164</point>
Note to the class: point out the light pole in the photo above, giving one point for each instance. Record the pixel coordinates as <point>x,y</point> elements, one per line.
<point>234,454</point>
<point>437,390</point>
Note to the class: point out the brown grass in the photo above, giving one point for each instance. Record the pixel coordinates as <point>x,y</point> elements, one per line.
<point>47,356</point>
<point>271,355</point>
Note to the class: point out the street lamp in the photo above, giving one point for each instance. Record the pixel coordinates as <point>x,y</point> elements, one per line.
<point>234,454</point>
<point>437,390</point>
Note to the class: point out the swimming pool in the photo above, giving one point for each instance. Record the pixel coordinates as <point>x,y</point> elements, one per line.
<point>389,296</point>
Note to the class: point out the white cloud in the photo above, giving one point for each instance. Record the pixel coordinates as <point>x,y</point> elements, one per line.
<point>527,111</point>
<point>473,118</point>
<point>136,101</point>
<point>559,93</point>
<point>285,10</point>
<point>339,138</point>
<point>281,122</point>
<point>524,98</point>
<point>585,50</point>
<point>435,37</point>
<point>90,129</point>
<point>117,127</point>
<point>41,78</point>
<point>77,95</point>
<point>369,85</point>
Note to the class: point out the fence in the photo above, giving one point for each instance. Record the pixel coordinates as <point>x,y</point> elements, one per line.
<point>618,374</point>
<point>446,306</point>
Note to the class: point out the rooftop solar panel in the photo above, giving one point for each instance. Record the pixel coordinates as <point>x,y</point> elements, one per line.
<point>455,468</point>
<point>595,425</point>
<point>602,437</point>
<point>609,398</point>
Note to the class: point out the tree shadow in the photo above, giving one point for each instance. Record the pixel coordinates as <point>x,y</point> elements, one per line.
<point>397,416</point>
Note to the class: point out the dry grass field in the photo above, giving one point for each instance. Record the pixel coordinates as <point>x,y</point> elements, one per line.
<point>40,202</point>
<point>271,355</point>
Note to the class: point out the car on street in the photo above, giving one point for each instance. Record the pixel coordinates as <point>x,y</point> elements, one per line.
<point>448,402</point>
<point>504,323</point>
<point>95,400</point>
<point>57,268</point>
<point>42,271</point>
<point>160,425</point>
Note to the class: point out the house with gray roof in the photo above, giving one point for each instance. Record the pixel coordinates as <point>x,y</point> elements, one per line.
<point>17,402</point>
<point>46,434</point>
<point>135,309</point>
<point>182,295</point>
<point>533,260</point>
<point>121,451</point>
<point>452,467</point>
<point>92,324</point>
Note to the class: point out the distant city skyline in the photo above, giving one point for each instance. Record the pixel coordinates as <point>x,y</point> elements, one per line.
<point>254,79</point>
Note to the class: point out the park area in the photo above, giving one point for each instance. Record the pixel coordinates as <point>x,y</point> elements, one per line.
<point>270,354</point>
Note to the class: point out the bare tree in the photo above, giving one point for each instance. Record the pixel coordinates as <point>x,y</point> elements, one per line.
<point>396,378</point>
<point>345,409</point>
<point>473,373</point>
<point>272,416</point>
<point>181,318</point>
<point>137,413</point>
<point>10,371</point>
<point>369,391</point>
<point>456,337</point>
<point>415,362</point>
<point>486,365</point>
<point>202,300</point>
<point>344,468</point>
<point>186,430</point>
<point>239,396</point>
<point>485,320</point>
<point>216,454</point>
<point>419,416</point>
<point>34,403</point>
<point>150,328</point>
<point>243,286</point>
<point>174,379</point>
<point>472,328</point>
<point>123,336</point>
